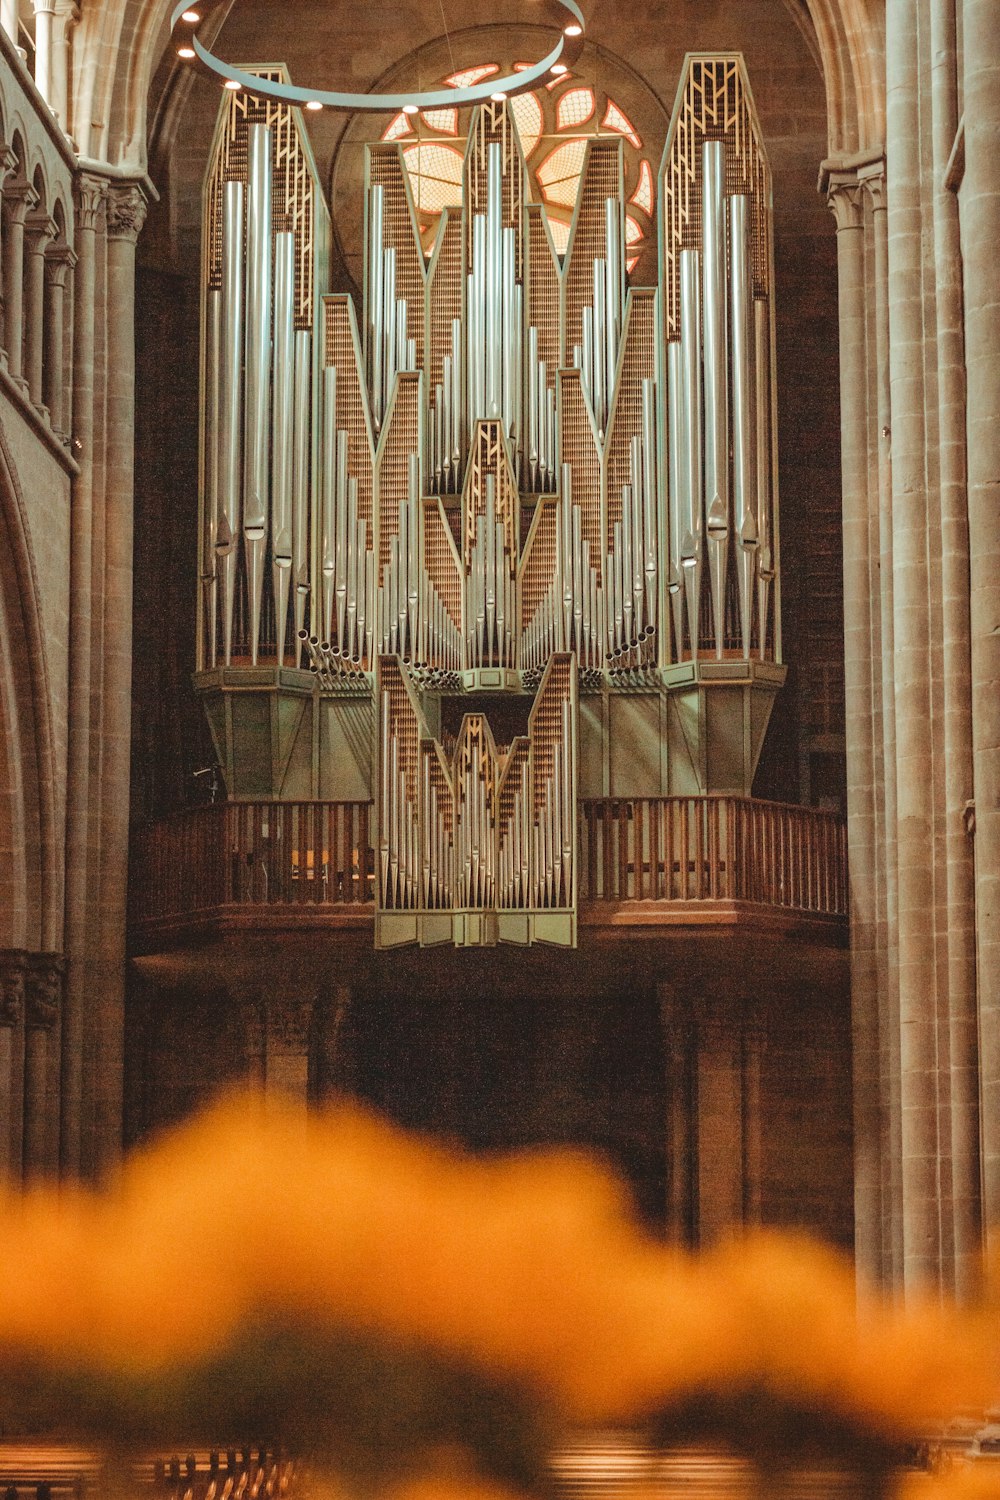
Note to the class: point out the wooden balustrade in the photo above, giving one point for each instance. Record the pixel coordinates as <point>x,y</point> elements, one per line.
<point>712,849</point>
<point>656,849</point>
<point>253,854</point>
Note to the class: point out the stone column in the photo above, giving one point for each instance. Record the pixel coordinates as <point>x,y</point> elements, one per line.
<point>286,1049</point>
<point>679,1088</point>
<point>719,1124</point>
<point>59,261</point>
<point>43,994</point>
<point>980,241</point>
<point>911,604</point>
<point>44,17</point>
<point>12,972</point>
<point>90,193</point>
<point>65,18</point>
<point>39,229</point>
<point>8,164</point>
<point>18,199</point>
<point>126,213</point>
<point>332,1071</point>
<point>846,200</point>
<point>8,19</point>
<point>754,1042</point>
<point>957,666</point>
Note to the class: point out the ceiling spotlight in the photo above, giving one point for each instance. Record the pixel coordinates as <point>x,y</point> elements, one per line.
<point>410,109</point>
<point>498,98</point>
<point>558,68</point>
<point>185,52</point>
<point>191,17</point>
<point>573,30</point>
<point>231,83</point>
<point>314,104</point>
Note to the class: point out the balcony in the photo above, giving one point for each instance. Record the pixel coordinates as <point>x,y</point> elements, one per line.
<point>646,867</point>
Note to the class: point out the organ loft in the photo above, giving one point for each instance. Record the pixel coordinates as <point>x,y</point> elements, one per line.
<point>502,536</point>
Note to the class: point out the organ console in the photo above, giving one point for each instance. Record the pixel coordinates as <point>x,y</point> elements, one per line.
<point>508,477</point>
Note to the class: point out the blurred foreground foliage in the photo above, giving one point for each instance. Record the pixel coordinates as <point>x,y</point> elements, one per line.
<point>393,1310</point>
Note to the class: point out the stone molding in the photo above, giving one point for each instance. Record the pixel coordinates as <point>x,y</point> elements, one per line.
<point>90,195</point>
<point>845,200</point>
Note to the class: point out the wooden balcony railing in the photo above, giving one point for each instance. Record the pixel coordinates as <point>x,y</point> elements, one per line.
<point>654,850</point>
<point>253,854</point>
<point>713,849</point>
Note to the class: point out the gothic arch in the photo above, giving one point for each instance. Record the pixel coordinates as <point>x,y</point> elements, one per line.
<point>119,43</point>
<point>29,860</point>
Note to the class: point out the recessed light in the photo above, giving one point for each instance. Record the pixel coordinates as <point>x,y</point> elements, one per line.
<point>185,52</point>
<point>231,83</point>
<point>498,98</point>
<point>410,109</point>
<point>314,104</point>
<point>192,17</point>
<point>573,30</point>
<point>559,68</point>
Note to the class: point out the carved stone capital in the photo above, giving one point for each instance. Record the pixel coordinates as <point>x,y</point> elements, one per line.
<point>13,967</point>
<point>8,161</point>
<point>845,200</point>
<point>60,258</point>
<point>40,227</point>
<point>90,195</point>
<point>43,991</point>
<point>872,179</point>
<point>127,209</point>
<point>19,197</point>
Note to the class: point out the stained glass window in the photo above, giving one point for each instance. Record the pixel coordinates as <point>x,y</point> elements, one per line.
<point>435,175</point>
<point>616,119</point>
<point>574,108</point>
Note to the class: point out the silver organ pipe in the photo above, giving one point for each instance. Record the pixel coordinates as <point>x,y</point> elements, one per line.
<point>676,509</point>
<point>328,516</point>
<point>376,287</point>
<point>690,437</point>
<point>258,375</point>
<point>716,380</point>
<point>744,479</point>
<point>301,482</point>
<point>210,532</point>
<point>283,433</point>
<point>762,392</point>
<point>230,406</point>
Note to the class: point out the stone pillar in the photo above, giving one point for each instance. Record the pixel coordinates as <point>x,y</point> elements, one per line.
<point>39,229</point>
<point>18,199</point>
<point>980,239</point>
<point>43,994</point>
<point>58,263</point>
<point>12,975</point>
<point>8,164</point>
<point>754,1042</point>
<point>332,1071</point>
<point>912,658</point>
<point>678,1054</point>
<point>8,19</point>
<point>286,1048</point>
<point>65,18</point>
<point>90,193</point>
<point>956,666</point>
<point>126,212</point>
<point>44,18</point>
<point>846,200</point>
<point>719,1123</point>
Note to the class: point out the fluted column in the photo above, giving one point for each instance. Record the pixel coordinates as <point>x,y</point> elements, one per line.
<point>58,264</point>
<point>126,212</point>
<point>19,198</point>
<point>846,201</point>
<point>914,757</point>
<point>981,238</point>
<point>40,229</point>
<point>43,995</point>
<point>12,974</point>
<point>90,196</point>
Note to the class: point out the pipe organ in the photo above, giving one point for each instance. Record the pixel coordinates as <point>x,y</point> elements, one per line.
<point>511,490</point>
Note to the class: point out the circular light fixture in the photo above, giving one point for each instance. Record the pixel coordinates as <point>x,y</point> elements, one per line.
<point>565,51</point>
<point>498,98</point>
<point>186,52</point>
<point>314,104</point>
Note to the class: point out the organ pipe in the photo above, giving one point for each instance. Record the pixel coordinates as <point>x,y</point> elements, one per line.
<point>716,380</point>
<point>231,405</point>
<point>258,376</point>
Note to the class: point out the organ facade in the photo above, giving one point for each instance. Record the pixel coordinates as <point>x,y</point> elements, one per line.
<point>506,535</point>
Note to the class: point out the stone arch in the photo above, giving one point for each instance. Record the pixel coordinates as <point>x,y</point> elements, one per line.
<point>29,859</point>
<point>119,44</point>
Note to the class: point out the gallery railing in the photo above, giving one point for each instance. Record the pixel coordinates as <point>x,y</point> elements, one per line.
<point>654,850</point>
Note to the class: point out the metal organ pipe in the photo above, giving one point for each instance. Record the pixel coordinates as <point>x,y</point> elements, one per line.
<point>716,380</point>
<point>676,509</point>
<point>376,293</point>
<point>762,390</point>
<point>690,438</point>
<point>209,573</point>
<point>283,440</point>
<point>301,481</point>
<point>258,375</point>
<point>744,487</point>
<point>230,405</point>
